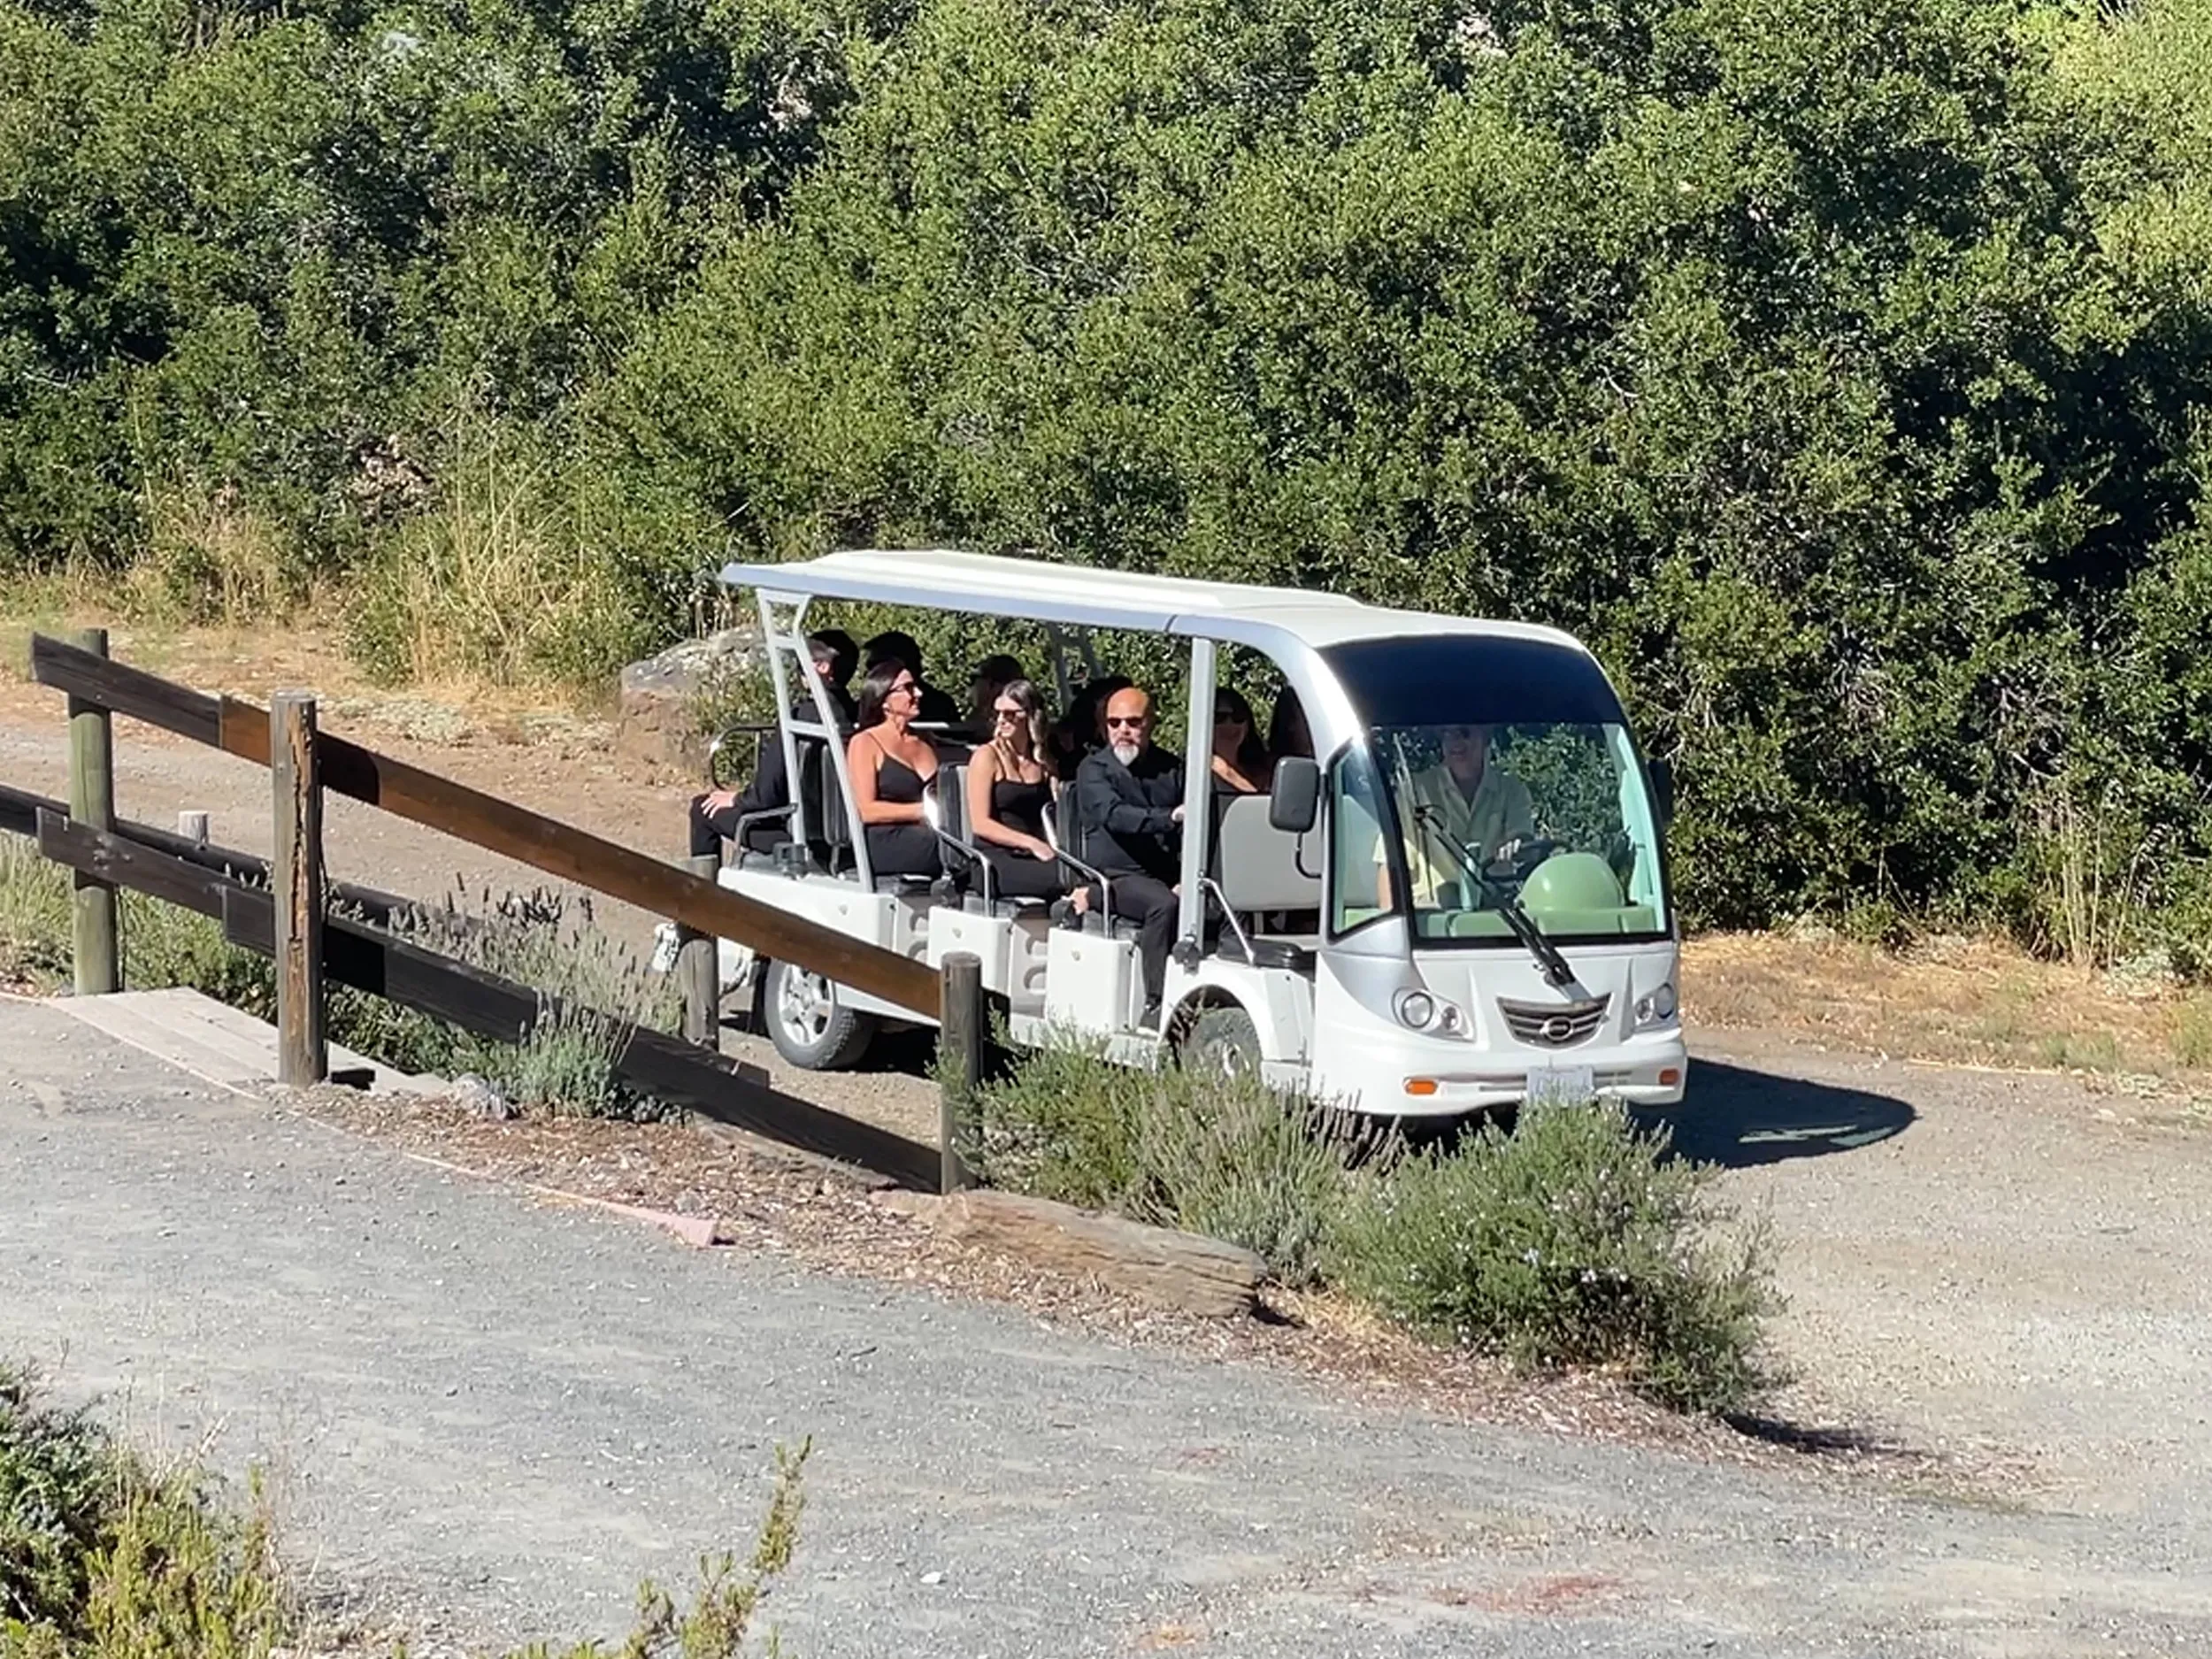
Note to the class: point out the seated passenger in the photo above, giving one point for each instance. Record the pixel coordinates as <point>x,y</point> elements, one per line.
<point>1009,791</point>
<point>891,766</point>
<point>716,815</point>
<point>1129,812</point>
<point>932,706</point>
<point>1286,732</point>
<point>844,664</point>
<point>1242,764</point>
<point>1083,728</point>
<point>992,676</point>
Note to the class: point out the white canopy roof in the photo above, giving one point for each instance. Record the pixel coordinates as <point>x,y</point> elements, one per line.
<point>945,579</point>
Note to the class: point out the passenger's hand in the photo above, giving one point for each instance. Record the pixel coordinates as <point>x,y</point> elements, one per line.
<point>719,801</point>
<point>1176,816</point>
<point>1042,850</point>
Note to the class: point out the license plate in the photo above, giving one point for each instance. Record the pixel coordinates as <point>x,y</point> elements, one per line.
<point>1560,1085</point>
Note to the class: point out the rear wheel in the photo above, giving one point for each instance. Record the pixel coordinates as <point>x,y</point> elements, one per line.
<point>1222,1042</point>
<point>808,1022</point>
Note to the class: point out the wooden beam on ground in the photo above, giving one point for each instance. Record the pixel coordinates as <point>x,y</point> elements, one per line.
<point>1181,1272</point>
<point>560,850</point>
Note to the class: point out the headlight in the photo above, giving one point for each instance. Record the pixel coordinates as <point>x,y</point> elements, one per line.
<point>1416,1008</point>
<point>1656,1008</point>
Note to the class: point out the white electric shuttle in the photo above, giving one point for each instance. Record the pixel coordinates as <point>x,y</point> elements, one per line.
<point>1351,935</point>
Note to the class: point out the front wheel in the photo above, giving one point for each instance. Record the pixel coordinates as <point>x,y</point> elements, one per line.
<point>808,1022</point>
<point>1223,1042</point>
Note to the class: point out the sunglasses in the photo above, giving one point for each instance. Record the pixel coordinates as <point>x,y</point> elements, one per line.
<point>1005,713</point>
<point>1113,720</point>
<point>1229,716</point>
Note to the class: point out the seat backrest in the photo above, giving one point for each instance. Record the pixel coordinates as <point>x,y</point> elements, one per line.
<point>829,832</point>
<point>951,789</point>
<point>1260,867</point>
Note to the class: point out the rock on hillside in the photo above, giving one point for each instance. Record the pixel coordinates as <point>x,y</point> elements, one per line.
<point>665,698</point>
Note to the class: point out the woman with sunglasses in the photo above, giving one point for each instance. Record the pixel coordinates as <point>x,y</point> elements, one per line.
<point>1008,792</point>
<point>891,766</point>
<point>1242,764</point>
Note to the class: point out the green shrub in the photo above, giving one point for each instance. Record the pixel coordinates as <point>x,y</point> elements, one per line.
<point>105,1556</point>
<point>33,916</point>
<point>2192,1032</point>
<point>1229,1158</point>
<point>592,986</point>
<point>501,579</point>
<point>104,1553</point>
<point>1573,1241</point>
<point>1062,1124</point>
<point>1226,1157</point>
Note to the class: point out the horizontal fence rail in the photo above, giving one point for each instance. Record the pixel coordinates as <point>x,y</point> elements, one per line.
<point>241,728</point>
<point>20,810</point>
<point>357,954</point>
<point>357,935</point>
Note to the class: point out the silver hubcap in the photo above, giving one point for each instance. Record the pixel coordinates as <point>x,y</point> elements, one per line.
<point>804,1004</point>
<point>1226,1056</point>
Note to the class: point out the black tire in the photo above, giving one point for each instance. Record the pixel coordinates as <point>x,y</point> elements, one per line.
<point>809,1021</point>
<point>1221,1041</point>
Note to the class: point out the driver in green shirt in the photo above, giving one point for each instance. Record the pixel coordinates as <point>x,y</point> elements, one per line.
<point>1484,809</point>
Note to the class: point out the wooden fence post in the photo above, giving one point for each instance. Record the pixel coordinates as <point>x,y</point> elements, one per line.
<point>95,949</point>
<point>698,971</point>
<point>959,1063</point>
<point>296,875</point>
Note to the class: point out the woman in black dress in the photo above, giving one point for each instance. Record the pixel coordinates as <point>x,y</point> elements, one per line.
<point>891,767</point>
<point>1009,790</point>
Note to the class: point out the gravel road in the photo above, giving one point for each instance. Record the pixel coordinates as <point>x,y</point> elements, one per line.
<point>508,1412</point>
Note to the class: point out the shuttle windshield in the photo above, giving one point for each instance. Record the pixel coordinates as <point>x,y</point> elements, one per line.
<point>1500,799</point>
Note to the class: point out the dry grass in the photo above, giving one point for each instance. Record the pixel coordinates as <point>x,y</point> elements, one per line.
<point>499,582</point>
<point>1955,1000</point>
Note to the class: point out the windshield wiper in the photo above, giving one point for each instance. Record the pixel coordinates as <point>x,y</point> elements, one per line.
<point>1557,969</point>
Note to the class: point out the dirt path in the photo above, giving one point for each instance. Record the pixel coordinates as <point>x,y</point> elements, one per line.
<point>508,1412</point>
<point>2002,1265</point>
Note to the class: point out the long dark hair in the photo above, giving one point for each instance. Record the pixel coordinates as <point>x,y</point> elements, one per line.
<point>1032,707</point>
<point>882,675</point>
<point>1287,733</point>
<point>1252,757</point>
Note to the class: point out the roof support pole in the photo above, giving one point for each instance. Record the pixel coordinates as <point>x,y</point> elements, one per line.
<point>1198,818</point>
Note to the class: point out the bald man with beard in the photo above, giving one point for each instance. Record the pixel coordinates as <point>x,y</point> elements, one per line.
<point>1129,818</point>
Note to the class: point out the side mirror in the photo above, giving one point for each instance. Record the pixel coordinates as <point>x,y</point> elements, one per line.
<point>1662,790</point>
<point>1294,804</point>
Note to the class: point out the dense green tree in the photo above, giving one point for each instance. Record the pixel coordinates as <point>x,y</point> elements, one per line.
<point>1839,371</point>
<point>1774,349</point>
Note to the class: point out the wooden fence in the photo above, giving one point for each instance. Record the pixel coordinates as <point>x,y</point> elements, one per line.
<point>284,907</point>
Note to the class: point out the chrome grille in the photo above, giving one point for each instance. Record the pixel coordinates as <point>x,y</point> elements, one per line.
<point>1554,1025</point>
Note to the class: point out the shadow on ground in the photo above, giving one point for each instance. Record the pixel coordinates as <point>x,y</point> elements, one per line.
<point>1739,1117</point>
